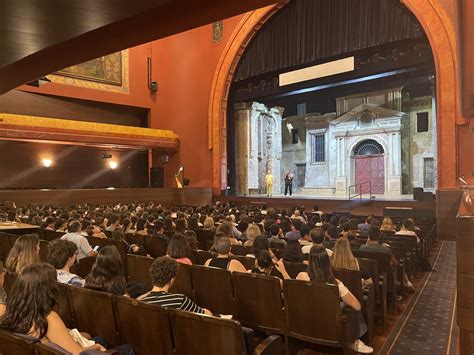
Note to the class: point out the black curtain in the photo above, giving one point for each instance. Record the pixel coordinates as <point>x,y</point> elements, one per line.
<point>307,31</point>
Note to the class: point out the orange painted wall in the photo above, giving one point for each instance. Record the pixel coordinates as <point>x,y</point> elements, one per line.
<point>183,66</point>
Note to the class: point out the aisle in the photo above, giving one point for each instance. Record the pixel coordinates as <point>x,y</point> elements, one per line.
<point>428,325</point>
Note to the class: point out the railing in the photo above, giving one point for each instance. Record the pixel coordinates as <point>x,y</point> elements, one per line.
<point>361,193</point>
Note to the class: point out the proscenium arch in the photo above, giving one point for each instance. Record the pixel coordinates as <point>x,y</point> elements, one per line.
<point>441,34</point>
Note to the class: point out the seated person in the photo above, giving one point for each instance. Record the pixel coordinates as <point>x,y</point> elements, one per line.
<point>305,237</point>
<point>179,249</point>
<point>319,270</point>
<point>342,258</point>
<point>364,227</point>
<point>223,260</point>
<point>62,255</point>
<point>317,236</point>
<point>24,252</point>
<point>294,233</point>
<point>162,273</point>
<point>275,233</point>
<point>252,232</point>
<point>265,265</point>
<point>74,235</point>
<point>292,252</point>
<point>408,228</point>
<point>387,225</point>
<point>107,273</point>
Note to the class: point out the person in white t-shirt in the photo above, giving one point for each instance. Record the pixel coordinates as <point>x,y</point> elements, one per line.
<point>319,270</point>
<point>317,235</point>
<point>74,235</point>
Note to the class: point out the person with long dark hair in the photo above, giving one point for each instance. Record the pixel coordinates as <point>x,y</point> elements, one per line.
<point>107,273</point>
<point>30,311</point>
<point>319,270</point>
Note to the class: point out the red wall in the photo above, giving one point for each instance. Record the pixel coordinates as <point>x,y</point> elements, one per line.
<point>183,66</point>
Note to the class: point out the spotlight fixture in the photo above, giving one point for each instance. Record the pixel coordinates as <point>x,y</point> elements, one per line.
<point>113,164</point>
<point>47,162</point>
<point>39,82</point>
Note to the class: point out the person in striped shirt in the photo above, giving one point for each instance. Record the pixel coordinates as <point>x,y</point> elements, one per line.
<point>162,273</point>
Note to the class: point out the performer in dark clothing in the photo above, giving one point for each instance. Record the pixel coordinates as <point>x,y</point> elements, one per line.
<point>288,182</point>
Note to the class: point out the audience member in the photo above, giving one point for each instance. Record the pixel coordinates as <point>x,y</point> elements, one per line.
<point>62,255</point>
<point>223,260</point>
<point>179,249</point>
<point>252,232</point>
<point>74,235</point>
<point>317,237</point>
<point>387,225</point>
<point>292,252</point>
<point>294,233</point>
<point>24,252</point>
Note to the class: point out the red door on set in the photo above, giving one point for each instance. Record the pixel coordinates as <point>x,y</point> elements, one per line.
<point>370,168</point>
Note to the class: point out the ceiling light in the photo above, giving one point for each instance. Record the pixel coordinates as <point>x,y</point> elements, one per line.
<point>47,162</point>
<point>113,164</point>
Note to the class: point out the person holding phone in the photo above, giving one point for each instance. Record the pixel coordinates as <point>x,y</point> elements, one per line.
<point>288,182</point>
<point>74,235</point>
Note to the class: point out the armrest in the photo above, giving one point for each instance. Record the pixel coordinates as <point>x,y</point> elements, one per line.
<point>271,345</point>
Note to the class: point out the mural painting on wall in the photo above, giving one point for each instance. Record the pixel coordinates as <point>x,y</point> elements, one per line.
<point>106,69</point>
<point>217,32</point>
<point>107,73</point>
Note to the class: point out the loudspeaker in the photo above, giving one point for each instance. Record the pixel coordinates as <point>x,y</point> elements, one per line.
<point>157,177</point>
<point>417,193</point>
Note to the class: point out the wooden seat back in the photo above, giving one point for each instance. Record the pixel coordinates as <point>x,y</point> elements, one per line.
<point>203,237</point>
<point>204,255</point>
<point>133,238</point>
<point>63,306</point>
<point>5,245</point>
<point>94,313</point>
<point>383,259</point>
<point>44,250</point>
<point>145,327</point>
<point>52,235</point>
<point>213,289</point>
<point>11,343</point>
<point>247,261</point>
<point>182,283</point>
<point>84,266</point>
<point>8,281</point>
<point>155,246</point>
<point>258,302</point>
<point>201,335</point>
<point>294,269</point>
<point>138,268</point>
<point>352,279</point>
<point>241,250</point>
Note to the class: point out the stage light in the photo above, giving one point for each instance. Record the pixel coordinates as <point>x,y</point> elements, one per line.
<point>47,162</point>
<point>113,164</point>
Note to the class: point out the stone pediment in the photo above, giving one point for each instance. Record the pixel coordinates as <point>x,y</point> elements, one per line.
<point>364,110</point>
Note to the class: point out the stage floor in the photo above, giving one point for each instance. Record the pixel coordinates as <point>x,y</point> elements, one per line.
<point>331,197</point>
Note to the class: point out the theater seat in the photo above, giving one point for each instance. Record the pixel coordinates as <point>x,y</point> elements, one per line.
<point>8,281</point>
<point>94,313</point>
<point>52,235</point>
<point>213,289</point>
<point>84,266</point>
<point>145,327</point>
<point>247,261</point>
<point>241,250</point>
<point>15,344</point>
<point>258,302</point>
<point>44,250</point>
<point>63,306</point>
<point>203,237</point>
<point>182,282</point>
<point>138,269</point>
<point>320,322</point>
<point>155,246</point>
<point>203,335</point>
<point>294,269</point>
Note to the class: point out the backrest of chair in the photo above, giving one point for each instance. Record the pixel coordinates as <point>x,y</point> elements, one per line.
<point>63,305</point>
<point>145,327</point>
<point>133,238</point>
<point>42,349</point>
<point>44,250</point>
<point>182,283</point>
<point>8,281</point>
<point>194,257</point>
<point>241,250</point>
<point>204,255</point>
<point>276,245</point>
<point>94,313</point>
<point>213,289</point>
<point>200,335</point>
<point>119,244</point>
<point>5,245</point>
<point>352,279</point>
<point>258,301</point>
<point>370,267</point>
<point>155,246</point>
<point>203,236</point>
<point>316,320</point>
<point>279,253</point>
<point>383,259</point>
<point>52,235</point>
<point>95,241</point>
<point>11,343</point>
<point>247,261</point>
<point>294,269</point>
<point>84,266</point>
<point>138,268</point>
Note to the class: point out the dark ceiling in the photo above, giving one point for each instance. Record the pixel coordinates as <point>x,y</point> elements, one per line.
<point>38,37</point>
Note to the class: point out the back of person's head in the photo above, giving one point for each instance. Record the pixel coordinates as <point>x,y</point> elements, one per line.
<point>332,231</point>
<point>208,223</point>
<point>191,238</point>
<point>387,224</point>
<point>296,223</point>
<point>317,235</point>
<point>61,222</point>
<point>274,229</point>
<point>118,233</point>
<point>252,232</point>
<point>342,258</point>
<point>107,269</point>
<point>225,228</point>
<point>293,252</point>
<point>180,225</point>
<point>305,229</point>
<point>264,259</point>
<point>260,243</point>
<point>408,224</point>
<point>374,233</point>
<point>193,223</point>
<point>319,266</point>
<point>178,247</point>
<point>223,246</point>
<point>74,227</point>
<point>24,252</point>
<point>141,222</point>
<point>369,218</point>
<point>59,252</point>
<point>163,270</point>
<point>346,227</point>
<point>114,218</point>
<point>31,300</point>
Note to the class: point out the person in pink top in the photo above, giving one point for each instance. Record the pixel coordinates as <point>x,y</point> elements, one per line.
<point>179,249</point>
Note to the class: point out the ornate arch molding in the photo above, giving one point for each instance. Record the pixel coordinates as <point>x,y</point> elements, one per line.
<point>442,36</point>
